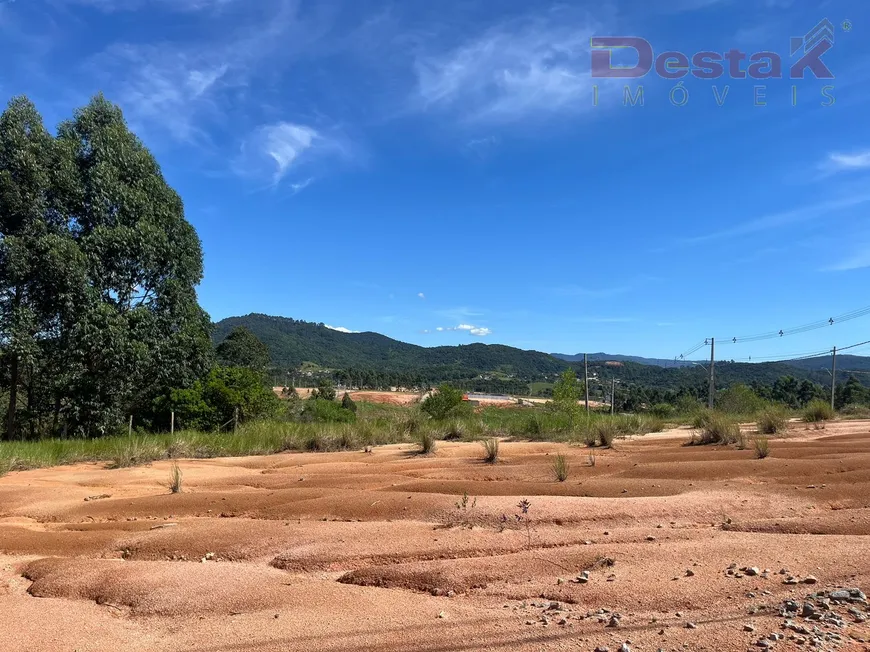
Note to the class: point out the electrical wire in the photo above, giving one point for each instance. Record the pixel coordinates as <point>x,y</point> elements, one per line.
<point>848,316</point>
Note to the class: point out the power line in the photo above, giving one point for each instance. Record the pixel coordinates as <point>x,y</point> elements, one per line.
<point>854,314</point>
<point>826,323</point>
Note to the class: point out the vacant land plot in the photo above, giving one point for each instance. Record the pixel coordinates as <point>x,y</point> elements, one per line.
<point>656,543</point>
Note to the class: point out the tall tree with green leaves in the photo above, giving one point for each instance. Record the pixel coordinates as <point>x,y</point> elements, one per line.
<point>137,329</point>
<point>566,391</point>
<point>25,183</point>
<point>242,348</point>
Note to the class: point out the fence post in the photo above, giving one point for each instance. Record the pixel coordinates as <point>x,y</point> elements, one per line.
<point>172,423</point>
<point>235,420</point>
<point>130,427</point>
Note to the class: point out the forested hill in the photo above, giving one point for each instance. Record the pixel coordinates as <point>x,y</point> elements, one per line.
<point>292,342</point>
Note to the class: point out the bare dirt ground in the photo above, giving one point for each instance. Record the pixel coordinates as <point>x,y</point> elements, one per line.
<point>357,551</point>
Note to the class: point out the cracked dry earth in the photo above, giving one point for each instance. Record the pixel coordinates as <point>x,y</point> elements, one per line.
<point>658,546</point>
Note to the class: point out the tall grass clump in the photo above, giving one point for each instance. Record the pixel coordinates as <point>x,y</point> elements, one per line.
<point>817,411</point>
<point>772,421</point>
<point>716,428</point>
<point>426,440</point>
<point>561,468</point>
<point>176,477</point>
<point>490,450</point>
<point>762,447</point>
<point>605,432</point>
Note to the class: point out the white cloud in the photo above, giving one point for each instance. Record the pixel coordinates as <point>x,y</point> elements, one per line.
<point>840,162</point>
<point>340,329</point>
<point>421,295</point>
<point>275,150</point>
<point>477,331</point>
<point>516,71</point>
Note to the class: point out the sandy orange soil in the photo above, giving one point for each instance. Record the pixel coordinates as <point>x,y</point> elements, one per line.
<point>369,551</point>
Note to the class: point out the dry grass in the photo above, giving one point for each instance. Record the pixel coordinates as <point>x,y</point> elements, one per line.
<point>490,450</point>
<point>176,478</point>
<point>561,468</point>
<point>762,447</point>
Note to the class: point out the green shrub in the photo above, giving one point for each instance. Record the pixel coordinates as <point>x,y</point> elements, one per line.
<point>817,411</point>
<point>561,468</point>
<point>717,428</point>
<point>348,403</point>
<point>739,399</point>
<point>455,430</point>
<point>855,411</point>
<point>490,450</point>
<point>319,410</point>
<point>663,410</point>
<point>762,447</point>
<point>772,421</point>
<point>445,402</point>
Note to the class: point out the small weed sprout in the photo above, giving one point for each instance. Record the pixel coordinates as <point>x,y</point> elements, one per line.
<point>561,468</point>
<point>490,448</point>
<point>592,459</point>
<point>175,478</point>
<point>524,520</point>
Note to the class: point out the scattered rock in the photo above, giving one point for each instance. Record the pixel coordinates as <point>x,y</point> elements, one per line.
<point>691,626</point>
<point>650,538</point>
<point>748,628</point>
<point>752,571</point>
<point>100,497</point>
<point>690,573</point>
<point>614,621</point>
<point>809,579</point>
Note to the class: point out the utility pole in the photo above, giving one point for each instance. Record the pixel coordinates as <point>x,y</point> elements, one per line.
<point>613,396</point>
<point>833,377</point>
<point>586,379</point>
<point>712,373</point>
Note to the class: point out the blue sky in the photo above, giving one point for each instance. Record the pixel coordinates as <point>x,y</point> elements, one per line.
<point>439,171</point>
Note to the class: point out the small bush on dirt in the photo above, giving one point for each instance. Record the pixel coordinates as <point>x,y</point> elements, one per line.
<point>605,432</point>
<point>561,468</point>
<point>175,478</point>
<point>762,447</point>
<point>490,450</point>
<point>426,439</point>
<point>772,421</point>
<point>717,428</point>
<point>455,430</point>
<point>817,411</point>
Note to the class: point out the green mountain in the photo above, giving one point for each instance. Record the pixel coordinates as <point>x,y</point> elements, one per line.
<point>293,343</point>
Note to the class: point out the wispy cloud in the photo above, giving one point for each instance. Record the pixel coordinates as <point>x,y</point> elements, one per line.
<point>134,5</point>
<point>421,295</point>
<point>163,87</point>
<point>590,292</point>
<point>524,69</point>
<point>858,260</point>
<point>275,150</point>
<point>785,218</point>
<point>340,329</point>
<point>842,162</point>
